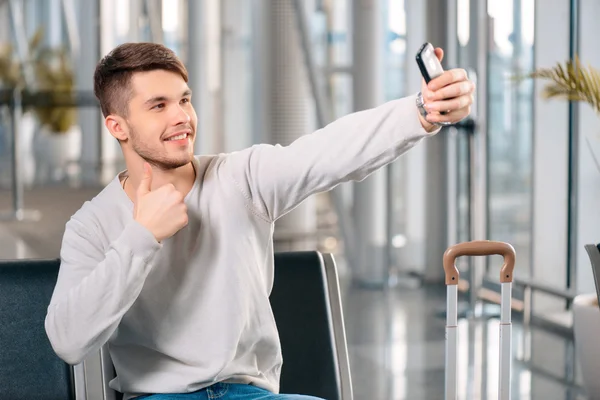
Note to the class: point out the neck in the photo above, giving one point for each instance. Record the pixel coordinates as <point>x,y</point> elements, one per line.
<point>182,178</point>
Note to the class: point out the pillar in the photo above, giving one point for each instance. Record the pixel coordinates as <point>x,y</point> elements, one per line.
<point>550,154</point>
<point>205,66</point>
<point>284,107</point>
<point>436,151</point>
<point>370,204</point>
<point>5,34</point>
<point>195,68</point>
<point>89,118</point>
<point>238,74</point>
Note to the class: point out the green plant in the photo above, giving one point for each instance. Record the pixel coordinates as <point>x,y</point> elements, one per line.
<point>571,81</point>
<point>52,75</point>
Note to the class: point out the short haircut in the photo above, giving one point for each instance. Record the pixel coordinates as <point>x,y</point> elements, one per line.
<point>112,77</point>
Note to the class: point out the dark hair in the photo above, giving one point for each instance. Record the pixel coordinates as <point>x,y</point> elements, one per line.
<point>112,76</point>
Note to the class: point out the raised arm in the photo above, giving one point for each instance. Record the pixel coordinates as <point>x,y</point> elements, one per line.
<point>275,179</point>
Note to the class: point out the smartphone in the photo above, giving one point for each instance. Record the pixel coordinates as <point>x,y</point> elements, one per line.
<point>428,63</point>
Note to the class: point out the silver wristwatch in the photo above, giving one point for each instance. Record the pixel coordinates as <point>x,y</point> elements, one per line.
<point>423,111</point>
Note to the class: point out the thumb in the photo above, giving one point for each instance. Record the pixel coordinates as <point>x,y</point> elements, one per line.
<point>439,53</point>
<point>146,182</point>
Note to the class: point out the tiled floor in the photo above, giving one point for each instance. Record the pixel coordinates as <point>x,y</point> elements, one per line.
<point>395,336</point>
<point>397,349</point>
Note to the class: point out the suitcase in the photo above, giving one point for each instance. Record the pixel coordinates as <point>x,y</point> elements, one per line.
<point>478,248</point>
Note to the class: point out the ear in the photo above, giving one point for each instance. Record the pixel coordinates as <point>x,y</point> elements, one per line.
<point>117,127</point>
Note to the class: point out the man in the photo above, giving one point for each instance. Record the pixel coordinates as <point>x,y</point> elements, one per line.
<point>172,263</point>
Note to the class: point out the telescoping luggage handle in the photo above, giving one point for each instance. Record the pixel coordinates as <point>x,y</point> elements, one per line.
<point>478,248</point>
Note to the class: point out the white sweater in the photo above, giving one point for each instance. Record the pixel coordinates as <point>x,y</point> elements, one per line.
<point>194,310</point>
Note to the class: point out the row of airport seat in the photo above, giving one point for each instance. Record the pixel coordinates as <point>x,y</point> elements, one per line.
<point>305,299</point>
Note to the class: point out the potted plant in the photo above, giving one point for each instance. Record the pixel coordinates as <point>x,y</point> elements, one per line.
<point>572,81</point>
<point>11,78</point>
<point>58,139</point>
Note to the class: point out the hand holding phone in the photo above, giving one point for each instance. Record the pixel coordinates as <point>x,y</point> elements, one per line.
<point>450,101</point>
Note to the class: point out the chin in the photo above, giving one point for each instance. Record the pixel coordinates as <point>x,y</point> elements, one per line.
<point>166,160</point>
<point>181,162</point>
<point>170,163</point>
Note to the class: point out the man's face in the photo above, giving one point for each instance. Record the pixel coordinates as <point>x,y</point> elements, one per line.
<point>161,120</point>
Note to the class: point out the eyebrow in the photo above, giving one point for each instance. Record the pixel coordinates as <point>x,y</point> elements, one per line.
<point>157,99</point>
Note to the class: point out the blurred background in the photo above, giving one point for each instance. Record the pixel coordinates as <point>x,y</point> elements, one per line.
<point>522,169</point>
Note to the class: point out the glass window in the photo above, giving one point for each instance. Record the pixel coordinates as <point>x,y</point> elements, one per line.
<point>174,24</point>
<point>338,60</point>
<point>395,78</point>
<point>395,49</point>
<point>510,130</point>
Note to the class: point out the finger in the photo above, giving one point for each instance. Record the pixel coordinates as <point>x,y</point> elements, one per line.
<point>452,117</point>
<point>177,197</point>
<point>439,53</point>
<point>146,182</point>
<point>450,104</point>
<point>448,77</point>
<point>464,88</point>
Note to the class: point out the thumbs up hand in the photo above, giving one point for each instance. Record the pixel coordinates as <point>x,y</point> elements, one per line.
<point>161,211</point>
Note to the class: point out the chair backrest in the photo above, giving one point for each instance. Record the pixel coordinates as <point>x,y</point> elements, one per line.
<point>594,254</point>
<point>29,368</point>
<point>307,306</point>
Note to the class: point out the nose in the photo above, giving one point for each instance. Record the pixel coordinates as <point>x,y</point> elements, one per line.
<point>181,116</point>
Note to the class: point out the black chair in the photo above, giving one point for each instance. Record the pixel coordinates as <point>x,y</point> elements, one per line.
<point>29,368</point>
<point>308,310</point>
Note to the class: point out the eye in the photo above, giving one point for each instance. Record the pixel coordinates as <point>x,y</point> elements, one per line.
<point>159,106</point>
<point>185,100</point>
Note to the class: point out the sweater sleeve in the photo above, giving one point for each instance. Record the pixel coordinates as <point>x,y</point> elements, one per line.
<point>275,179</point>
<point>95,288</point>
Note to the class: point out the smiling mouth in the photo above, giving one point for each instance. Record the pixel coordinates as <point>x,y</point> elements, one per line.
<point>182,136</point>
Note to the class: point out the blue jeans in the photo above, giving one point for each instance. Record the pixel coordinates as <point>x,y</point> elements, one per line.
<point>228,391</point>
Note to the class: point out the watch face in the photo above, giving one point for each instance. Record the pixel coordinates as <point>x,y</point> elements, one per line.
<point>420,103</point>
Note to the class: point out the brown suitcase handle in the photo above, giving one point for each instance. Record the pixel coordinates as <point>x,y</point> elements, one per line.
<point>479,248</point>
